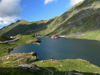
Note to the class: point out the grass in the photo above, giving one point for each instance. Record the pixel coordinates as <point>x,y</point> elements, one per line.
<point>59,67</point>
<point>10,62</point>
<point>26,39</point>
<point>23,39</point>
<point>15,71</point>
<point>91,35</point>
<point>4,48</point>
<point>94,35</point>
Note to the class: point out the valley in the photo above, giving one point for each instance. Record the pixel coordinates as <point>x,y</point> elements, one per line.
<point>76,54</point>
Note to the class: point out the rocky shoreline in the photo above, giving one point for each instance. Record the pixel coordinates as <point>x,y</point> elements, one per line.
<point>20,58</point>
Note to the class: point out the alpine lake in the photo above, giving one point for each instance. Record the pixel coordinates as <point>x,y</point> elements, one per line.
<point>64,48</point>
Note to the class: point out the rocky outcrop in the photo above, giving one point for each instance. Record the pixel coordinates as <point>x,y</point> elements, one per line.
<point>31,68</point>
<point>20,58</point>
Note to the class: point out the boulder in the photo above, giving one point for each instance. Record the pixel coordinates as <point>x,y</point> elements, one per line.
<point>31,68</point>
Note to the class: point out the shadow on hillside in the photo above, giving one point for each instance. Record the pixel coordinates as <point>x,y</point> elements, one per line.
<point>56,72</point>
<point>25,29</point>
<point>16,71</point>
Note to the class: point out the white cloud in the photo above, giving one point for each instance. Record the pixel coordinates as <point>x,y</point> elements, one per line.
<point>7,20</point>
<point>48,1</point>
<point>9,11</point>
<point>73,2</point>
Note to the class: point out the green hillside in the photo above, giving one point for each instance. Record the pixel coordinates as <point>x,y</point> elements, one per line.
<point>3,38</point>
<point>78,22</point>
<point>69,67</point>
<point>80,19</point>
<point>24,27</point>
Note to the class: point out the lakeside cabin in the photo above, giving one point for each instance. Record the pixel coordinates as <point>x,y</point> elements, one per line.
<point>55,36</point>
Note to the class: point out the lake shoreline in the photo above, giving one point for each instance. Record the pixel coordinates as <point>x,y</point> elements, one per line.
<point>51,61</point>
<point>6,48</point>
<point>72,48</point>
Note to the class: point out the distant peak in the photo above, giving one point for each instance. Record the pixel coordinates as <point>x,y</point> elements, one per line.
<point>20,20</point>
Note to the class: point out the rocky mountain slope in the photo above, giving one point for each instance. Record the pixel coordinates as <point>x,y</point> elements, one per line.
<point>24,27</point>
<point>81,18</point>
<point>79,21</point>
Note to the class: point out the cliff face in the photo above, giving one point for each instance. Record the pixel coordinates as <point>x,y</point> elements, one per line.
<point>82,18</point>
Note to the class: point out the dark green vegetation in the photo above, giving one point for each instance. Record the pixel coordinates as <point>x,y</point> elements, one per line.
<point>81,21</point>
<point>14,71</point>
<point>3,38</point>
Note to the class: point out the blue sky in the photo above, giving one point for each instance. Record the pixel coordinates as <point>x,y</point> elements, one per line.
<point>32,10</point>
<point>37,10</point>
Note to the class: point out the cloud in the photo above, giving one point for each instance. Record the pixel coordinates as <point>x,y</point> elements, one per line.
<point>73,2</point>
<point>7,20</point>
<point>9,11</point>
<point>48,1</point>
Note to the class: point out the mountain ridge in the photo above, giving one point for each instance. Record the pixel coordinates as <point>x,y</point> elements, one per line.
<point>82,18</point>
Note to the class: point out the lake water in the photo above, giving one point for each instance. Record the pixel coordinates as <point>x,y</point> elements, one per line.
<point>64,48</point>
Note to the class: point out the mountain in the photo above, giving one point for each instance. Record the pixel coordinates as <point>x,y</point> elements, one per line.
<point>82,20</point>
<point>24,27</point>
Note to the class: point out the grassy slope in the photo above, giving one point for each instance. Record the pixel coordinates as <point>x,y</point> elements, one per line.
<point>3,38</point>
<point>26,39</point>
<point>8,67</point>
<point>20,27</point>
<point>67,65</point>
<point>24,27</point>
<point>82,17</point>
<point>81,21</point>
<point>3,49</point>
<point>59,67</point>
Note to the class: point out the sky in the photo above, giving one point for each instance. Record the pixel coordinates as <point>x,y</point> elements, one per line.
<point>32,10</point>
